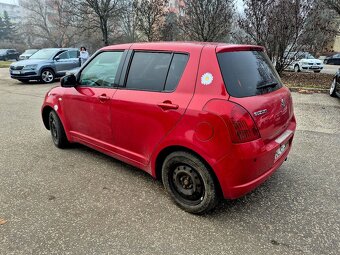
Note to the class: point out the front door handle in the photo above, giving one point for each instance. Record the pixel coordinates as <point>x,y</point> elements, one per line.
<point>168,105</point>
<point>103,98</point>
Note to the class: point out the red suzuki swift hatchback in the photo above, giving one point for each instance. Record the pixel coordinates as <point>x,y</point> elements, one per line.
<point>209,120</point>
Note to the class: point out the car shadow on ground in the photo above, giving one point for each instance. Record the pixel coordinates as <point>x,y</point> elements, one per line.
<point>256,198</point>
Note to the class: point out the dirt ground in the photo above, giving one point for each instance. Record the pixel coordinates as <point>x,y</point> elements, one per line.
<point>307,80</point>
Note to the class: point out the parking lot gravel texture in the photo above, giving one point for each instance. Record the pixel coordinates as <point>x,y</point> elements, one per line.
<point>79,201</point>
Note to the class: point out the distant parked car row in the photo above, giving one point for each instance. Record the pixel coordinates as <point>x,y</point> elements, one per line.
<point>303,61</point>
<point>9,54</point>
<point>27,54</point>
<point>45,65</point>
<point>332,60</point>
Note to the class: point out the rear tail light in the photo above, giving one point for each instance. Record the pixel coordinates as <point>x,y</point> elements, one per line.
<point>241,125</point>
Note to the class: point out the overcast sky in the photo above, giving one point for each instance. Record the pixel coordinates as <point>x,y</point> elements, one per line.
<point>239,5</point>
<point>9,1</point>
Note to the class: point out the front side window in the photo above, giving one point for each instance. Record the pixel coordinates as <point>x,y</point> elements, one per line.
<point>63,55</point>
<point>102,70</point>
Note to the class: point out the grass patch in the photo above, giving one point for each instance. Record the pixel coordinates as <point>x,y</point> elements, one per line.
<point>5,64</point>
<point>307,80</point>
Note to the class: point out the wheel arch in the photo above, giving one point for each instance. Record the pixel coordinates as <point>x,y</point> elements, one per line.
<point>46,67</point>
<point>45,115</point>
<point>168,150</point>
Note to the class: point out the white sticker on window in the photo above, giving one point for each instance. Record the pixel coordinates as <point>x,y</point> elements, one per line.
<point>207,79</point>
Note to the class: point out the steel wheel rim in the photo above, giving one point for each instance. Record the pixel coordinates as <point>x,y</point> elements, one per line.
<point>296,68</point>
<point>332,87</point>
<point>47,76</point>
<point>186,182</point>
<point>53,128</point>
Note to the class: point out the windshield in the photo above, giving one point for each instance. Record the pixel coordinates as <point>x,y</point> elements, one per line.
<point>44,54</point>
<point>29,51</point>
<point>309,56</point>
<point>248,73</point>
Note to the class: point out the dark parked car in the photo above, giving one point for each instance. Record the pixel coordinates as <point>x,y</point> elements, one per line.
<point>45,65</point>
<point>332,60</point>
<point>7,54</point>
<point>27,54</point>
<point>335,86</point>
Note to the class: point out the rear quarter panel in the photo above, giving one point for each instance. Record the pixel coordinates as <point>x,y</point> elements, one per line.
<point>200,131</point>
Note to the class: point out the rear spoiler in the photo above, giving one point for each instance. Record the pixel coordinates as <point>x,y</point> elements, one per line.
<point>229,48</point>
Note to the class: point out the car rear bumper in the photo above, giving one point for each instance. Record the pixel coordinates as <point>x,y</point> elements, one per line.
<point>251,164</point>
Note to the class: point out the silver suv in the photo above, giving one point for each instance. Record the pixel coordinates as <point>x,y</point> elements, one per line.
<point>45,65</point>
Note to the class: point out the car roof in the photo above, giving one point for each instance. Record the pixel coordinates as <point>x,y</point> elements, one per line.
<point>180,46</point>
<point>59,49</point>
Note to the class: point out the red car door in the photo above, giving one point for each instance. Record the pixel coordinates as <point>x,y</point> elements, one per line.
<point>87,106</point>
<point>156,94</point>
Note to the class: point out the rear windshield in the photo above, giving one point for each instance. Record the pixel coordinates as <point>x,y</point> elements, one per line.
<point>248,73</point>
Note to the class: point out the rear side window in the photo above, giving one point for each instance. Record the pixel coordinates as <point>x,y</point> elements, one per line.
<point>156,71</point>
<point>248,73</point>
<point>177,66</point>
<point>148,71</point>
<point>73,53</point>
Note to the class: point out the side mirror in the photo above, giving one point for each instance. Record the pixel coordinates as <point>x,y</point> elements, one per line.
<point>57,58</point>
<point>68,81</point>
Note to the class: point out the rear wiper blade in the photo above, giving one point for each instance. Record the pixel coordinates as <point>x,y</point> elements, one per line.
<point>266,85</point>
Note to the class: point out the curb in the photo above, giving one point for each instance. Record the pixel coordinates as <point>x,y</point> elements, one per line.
<point>304,90</point>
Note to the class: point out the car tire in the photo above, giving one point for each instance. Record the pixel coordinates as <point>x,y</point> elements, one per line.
<point>297,69</point>
<point>59,137</point>
<point>332,90</point>
<point>24,81</point>
<point>47,75</point>
<point>189,182</point>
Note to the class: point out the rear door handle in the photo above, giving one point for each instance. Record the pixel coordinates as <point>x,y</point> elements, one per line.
<point>168,105</point>
<point>103,98</point>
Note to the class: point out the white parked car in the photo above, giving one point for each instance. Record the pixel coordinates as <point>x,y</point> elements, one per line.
<point>303,62</point>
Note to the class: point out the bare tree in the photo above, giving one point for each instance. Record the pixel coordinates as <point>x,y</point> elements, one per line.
<point>99,14</point>
<point>150,17</point>
<point>129,22</point>
<point>278,25</point>
<point>207,20</point>
<point>333,4</point>
<point>49,21</point>
<point>323,26</point>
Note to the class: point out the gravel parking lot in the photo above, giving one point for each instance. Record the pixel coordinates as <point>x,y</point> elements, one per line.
<point>79,201</point>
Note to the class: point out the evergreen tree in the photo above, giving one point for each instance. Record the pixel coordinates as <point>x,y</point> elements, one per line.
<point>2,29</point>
<point>8,27</point>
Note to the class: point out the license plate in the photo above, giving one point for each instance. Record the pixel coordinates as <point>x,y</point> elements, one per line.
<point>280,151</point>
<point>16,72</point>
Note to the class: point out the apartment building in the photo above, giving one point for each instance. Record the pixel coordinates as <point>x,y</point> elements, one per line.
<point>176,6</point>
<point>14,11</point>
